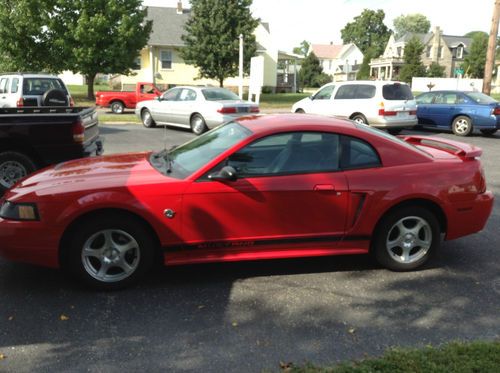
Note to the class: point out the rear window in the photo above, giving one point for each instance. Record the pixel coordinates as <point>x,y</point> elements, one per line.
<point>481,98</point>
<point>397,92</point>
<point>38,86</point>
<point>355,91</point>
<point>218,94</point>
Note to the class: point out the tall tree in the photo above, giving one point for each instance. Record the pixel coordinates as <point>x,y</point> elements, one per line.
<point>311,73</point>
<point>303,48</point>
<point>475,60</point>
<point>411,23</point>
<point>212,37</point>
<point>364,69</point>
<point>367,31</point>
<point>413,66</point>
<point>435,70</point>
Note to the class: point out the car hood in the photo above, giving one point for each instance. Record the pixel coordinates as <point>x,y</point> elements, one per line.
<point>112,171</point>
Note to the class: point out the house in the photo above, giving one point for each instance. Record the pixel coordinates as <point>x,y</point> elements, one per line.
<point>449,51</point>
<point>341,62</point>
<point>161,62</point>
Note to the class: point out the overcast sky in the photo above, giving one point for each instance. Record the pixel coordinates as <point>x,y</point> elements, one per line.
<point>320,21</point>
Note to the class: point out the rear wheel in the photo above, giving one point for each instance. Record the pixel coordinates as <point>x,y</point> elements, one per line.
<point>147,119</point>
<point>300,111</point>
<point>14,166</point>
<point>117,107</point>
<point>462,126</point>
<point>109,252</point>
<point>198,125</point>
<point>360,119</point>
<point>405,238</point>
<point>489,132</point>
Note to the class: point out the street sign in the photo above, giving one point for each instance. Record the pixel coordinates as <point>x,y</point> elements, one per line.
<point>459,71</point>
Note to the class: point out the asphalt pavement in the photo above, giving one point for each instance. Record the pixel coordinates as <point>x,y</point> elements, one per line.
<point>247,317</point>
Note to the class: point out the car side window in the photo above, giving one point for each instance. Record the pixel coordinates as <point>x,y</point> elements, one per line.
<point>15,85</point>
<point>289,153</point>
<point>187,95</point>
<point>357,153</point>
<point>4,83</point>
<point>446,98</point>
<point>425,99</point>
<point>325,93</point>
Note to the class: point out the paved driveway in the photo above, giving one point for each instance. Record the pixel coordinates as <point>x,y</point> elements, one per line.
<point>245,317</point>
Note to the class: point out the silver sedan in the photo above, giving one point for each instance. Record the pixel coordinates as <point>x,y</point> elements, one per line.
<point>198,108</point>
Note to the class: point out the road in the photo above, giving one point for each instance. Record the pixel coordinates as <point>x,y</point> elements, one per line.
<point>246,317</point>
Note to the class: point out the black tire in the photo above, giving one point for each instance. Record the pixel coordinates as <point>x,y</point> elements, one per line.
<point>91,233</point>
<point>117,107</point>
<point>300,111</point>
<point>13,167</point>
<point>462,126</point>
<point>388,233</point>
<point>55,97</point>
<point>489,132</point>
<point>394,131</point>
<point>147,119</point>
<point>360,119</point>
<point>198,125</point>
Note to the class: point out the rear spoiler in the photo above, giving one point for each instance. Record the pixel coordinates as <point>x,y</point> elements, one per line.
<point>460,149</point>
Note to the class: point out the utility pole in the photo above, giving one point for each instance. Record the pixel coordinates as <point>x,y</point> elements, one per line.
<point>490,54</point>
<point>240,85</point>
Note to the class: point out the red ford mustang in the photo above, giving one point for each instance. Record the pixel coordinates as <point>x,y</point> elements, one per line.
<point>263,187</point>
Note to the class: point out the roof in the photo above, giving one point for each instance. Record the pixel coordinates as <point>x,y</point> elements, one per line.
<point>454,41</point>
<point>424,38</point>
<point>168,26</point>
<point>327,51</point>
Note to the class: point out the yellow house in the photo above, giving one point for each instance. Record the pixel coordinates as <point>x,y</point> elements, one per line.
<point>160,61</point>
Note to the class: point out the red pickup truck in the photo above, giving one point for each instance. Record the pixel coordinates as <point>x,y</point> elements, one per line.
<point>119,100</point>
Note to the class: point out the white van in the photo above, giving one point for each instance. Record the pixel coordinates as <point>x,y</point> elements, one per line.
<point>384,104</point>
<point>27,89</point>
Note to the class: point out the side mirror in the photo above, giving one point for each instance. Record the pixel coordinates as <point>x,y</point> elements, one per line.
<point>159,98</point>
<point>227,173</point>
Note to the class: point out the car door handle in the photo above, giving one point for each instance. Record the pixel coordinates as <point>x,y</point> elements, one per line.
<point>324,187</point>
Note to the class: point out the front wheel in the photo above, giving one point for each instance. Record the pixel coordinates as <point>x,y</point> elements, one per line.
<point>117,107</point>
<point>109,252</point>
<point>14,166</point>
<point>300,111</point>
<point>406,238</point>
<point>147,119</point>
<point>198,125</point>
<point>462,126</point>
<point>360,119</point>
<point>489,132</point>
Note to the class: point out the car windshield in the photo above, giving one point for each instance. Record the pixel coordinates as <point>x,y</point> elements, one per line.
<point>397,91</point>
<point>218,94</point>
<point>38,86</point>
<point>191,156</point>
<point>481,98</point>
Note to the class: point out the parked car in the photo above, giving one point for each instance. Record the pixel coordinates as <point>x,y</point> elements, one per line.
<point>459,111</point>
<point>197,108</point>
<point>261,187</point>
<point>384,104</point>
<point>24,89</point>
<point>32,138</point>
<point>118,101</point>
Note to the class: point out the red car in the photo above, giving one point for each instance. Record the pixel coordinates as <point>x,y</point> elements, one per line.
<point>119,100</point>
<point>262,187</point>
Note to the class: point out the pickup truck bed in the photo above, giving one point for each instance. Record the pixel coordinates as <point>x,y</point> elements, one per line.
<point>35,137</point>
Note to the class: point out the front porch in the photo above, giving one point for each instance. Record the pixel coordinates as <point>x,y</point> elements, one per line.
<point>386,68</point>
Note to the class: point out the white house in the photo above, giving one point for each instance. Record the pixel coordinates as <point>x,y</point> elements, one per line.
<point>342,62</point>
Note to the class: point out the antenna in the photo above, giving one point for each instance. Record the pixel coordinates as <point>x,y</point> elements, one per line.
<point>165,138</point>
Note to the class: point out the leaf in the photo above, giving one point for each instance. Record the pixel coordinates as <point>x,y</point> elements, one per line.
<point>235,324</point>
<point>63,317</point>
<point>2,357</point>
<point>11,318</point>
<point>352,331</point>
<point>201,306</point>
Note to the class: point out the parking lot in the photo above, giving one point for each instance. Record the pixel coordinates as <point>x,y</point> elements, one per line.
<point>250,316</point>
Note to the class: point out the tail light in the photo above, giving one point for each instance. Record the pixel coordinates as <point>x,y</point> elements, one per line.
<point>384,113</point>
<point>71,102</point>
<point>78,131</point>
<point>413,112</point>
<point>482,181</point>
<point>227,110</point>
<point>496,111</point>
<point>20,102</point>
<point>254,109</point>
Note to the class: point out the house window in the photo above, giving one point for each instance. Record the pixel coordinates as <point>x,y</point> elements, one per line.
<point>460,52</point>
<point>428,52</point>
<point>400,50</point>
<point>330,65</point>
<point>166,60</point>
<point>440,53</point>
<point>137,63</point>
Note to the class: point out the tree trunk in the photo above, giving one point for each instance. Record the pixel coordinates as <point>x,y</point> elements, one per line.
<point>90,86</point>
<point>221,82</point>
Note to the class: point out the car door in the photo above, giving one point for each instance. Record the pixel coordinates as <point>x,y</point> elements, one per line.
<point>425,104</point>
<point>4,91</point>
<point>163,107</point>
<point>289,194</point>
<point>321,101</point>
<point>147,91</point>
<point>183,106</point>
<point>444,109</point>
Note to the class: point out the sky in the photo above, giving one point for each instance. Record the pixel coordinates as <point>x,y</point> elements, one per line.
<point>320,21</point>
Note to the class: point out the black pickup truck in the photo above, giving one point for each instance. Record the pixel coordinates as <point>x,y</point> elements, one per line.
<point>34,137</point>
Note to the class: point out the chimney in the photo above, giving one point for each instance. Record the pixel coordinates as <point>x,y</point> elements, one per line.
<point>436,43</point>
<point>179,7</point>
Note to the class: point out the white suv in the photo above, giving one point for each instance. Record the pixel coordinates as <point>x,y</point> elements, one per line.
<point>384,104</point>
<point>23,89</point>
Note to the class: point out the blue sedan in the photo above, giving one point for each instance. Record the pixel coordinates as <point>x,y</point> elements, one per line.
<point>459,111</point>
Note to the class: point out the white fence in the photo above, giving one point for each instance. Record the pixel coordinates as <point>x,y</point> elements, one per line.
<point>434,84</point>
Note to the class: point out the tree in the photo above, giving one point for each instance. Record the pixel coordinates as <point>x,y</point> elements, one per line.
<point>212,37</point>
<point>411,23</point>
<point>84,36</point>
<point>435,70</point>
<point>475,60</point>
<point>412,60</point>
<point>303,49</point>
<point>367,31</point>
<point>364,70</point>
<point>311,73</point>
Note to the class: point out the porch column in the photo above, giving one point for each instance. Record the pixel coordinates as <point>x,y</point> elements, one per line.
<point>379,72</point>
<point>294,75</point>
<point>390,71</point>
<point>152,64</point>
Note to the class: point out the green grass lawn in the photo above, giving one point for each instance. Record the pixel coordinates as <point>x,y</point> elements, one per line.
<point>455,357</point>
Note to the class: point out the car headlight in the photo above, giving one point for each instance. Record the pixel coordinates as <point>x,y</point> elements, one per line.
<point>18,211</point>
